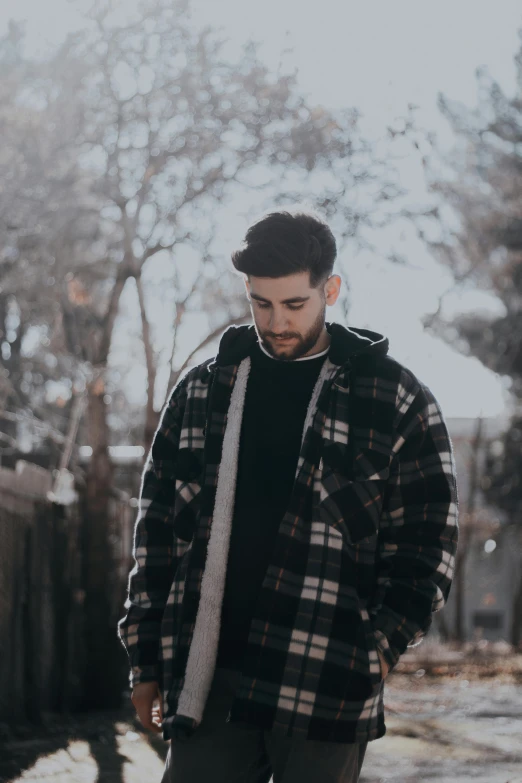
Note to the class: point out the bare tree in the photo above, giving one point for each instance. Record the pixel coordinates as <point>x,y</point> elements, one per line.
<point>177,128</point>
<point>143,129</point>
<point>41,199</point>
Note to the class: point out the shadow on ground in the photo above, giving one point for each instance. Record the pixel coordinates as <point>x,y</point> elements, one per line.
<point>102,746</point>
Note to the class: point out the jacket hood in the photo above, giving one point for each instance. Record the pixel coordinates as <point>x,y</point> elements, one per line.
<point>347,341</point>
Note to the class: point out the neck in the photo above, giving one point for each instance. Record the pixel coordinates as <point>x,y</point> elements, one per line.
<point>322,343</point>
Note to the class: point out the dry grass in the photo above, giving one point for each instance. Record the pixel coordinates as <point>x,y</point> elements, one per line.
<point>475,660</point>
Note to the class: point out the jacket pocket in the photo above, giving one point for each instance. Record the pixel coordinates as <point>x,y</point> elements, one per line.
<point>374,663</point>
<point>351,489</point>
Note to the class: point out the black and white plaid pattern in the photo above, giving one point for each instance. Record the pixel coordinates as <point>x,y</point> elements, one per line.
<point>364,556</point>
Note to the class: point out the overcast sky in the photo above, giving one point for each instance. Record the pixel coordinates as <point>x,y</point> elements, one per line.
<point>377,56</point>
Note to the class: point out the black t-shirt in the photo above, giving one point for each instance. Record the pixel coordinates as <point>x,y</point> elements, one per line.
<point>277,397</point>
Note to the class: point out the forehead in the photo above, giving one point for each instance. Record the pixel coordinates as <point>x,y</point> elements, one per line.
<point>278,288</point>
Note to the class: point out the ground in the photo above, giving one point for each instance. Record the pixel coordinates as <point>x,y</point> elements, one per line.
<point>445,723</point>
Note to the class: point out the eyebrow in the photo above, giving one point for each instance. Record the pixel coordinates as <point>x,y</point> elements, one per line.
<point>283,301</point>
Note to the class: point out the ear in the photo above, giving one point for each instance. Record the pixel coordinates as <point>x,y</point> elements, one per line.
<point>332,288</point>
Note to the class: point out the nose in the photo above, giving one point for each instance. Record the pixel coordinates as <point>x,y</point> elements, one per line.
<point>277,323</point>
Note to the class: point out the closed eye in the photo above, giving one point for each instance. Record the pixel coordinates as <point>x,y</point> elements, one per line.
<point>290,307</point>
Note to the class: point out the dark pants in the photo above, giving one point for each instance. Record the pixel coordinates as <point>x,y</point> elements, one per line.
<point>220,752</point>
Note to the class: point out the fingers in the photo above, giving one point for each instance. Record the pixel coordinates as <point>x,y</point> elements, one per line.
<point>149,718</point>
<point>148,723</point>
<point>146,699</point>
<point>157,715</point>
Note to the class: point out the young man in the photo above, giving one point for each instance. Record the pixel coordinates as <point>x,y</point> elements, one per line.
<point>297,531</point>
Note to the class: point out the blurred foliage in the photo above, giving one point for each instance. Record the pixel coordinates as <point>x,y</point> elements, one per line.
<point>480,239</point>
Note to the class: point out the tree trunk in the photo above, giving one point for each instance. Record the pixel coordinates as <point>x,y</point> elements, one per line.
<point>151,416</point>
<point>442,627</point>
<point>466,538</point>
<point>460,585</point>
<point>516,621</point>
<point>151,424</point>
<point>105,658</point>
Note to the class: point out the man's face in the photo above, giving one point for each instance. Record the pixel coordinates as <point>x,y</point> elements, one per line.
<point>286,307</point>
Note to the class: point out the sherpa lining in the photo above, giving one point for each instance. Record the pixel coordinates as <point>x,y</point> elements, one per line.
<point>203,651</point>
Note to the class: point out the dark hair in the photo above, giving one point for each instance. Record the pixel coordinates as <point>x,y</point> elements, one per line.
<point>284,243</point>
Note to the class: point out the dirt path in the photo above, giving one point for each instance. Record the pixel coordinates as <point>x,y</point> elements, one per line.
<point>448,730</point>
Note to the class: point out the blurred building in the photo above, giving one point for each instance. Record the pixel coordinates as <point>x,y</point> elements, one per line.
<point>492,564</point>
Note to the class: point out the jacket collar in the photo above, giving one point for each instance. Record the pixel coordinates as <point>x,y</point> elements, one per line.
<point>237,342</point>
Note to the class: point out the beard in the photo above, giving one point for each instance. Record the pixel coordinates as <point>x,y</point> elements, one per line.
<point>301,344</point>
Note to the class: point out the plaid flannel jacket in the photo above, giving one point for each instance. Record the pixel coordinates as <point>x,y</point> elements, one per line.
<point>365,553</point>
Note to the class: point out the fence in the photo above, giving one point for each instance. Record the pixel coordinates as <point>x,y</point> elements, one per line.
<point>41,598</point>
